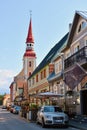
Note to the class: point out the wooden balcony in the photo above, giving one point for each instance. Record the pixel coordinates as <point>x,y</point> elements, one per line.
<point>79,57</point>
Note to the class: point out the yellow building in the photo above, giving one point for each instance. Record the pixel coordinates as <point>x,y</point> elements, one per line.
<point>6,100</point>
<point>38,81</point>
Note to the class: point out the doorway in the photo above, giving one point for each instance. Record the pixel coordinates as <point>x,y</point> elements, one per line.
<point>83,97</point>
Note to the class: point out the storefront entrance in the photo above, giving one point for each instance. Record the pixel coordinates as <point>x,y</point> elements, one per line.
<point>83,97</point>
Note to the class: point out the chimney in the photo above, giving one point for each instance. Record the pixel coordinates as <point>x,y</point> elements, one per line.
<point>70,25</point>
<point>51,68</point>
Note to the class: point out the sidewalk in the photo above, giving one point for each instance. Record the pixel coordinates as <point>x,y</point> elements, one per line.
<point>79,122</point>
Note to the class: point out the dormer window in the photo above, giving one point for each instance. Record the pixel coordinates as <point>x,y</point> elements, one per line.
<point>82,25</point>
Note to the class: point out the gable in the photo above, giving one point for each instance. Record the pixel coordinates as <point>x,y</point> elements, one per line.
<point>78,25</point>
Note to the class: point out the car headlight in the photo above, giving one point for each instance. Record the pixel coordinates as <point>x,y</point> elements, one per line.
<point>48,116</point>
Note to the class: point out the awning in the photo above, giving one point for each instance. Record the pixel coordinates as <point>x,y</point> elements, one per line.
<point>46,95</point>
<point>74,76</point>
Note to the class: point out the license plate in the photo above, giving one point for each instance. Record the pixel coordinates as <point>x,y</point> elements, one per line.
<point>58,121</point>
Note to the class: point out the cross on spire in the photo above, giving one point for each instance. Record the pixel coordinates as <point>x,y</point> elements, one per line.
<point>30,13</point>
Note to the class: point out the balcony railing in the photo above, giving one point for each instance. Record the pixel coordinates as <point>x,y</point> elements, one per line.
<point>80,57</point>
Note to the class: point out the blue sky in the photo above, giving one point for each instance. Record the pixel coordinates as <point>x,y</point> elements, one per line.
<point>50,21</point>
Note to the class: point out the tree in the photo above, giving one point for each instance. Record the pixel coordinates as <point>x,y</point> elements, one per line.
<point>1,99</point>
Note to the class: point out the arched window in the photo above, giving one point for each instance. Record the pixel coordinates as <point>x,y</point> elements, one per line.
<point>81,26</point>
<point>29,63</point>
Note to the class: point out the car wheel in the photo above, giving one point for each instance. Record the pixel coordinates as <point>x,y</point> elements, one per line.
<point>37,122</point>
<point>66,126</point>
<point>43,123</point>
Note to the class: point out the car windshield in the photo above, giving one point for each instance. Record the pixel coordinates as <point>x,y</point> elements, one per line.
<point>52,109</point>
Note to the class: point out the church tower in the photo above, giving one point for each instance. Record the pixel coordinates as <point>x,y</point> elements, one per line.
<point>29,58</point>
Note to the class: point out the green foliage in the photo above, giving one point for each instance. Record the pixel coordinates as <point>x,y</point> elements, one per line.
<point>1,99</point>
<point>33,106</point>
<point>1,96</point>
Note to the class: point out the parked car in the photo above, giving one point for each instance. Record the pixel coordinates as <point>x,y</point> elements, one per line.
<point>52,115</point>
<point>4,107</point>
<point>16,109</point>
<point>11,108</point>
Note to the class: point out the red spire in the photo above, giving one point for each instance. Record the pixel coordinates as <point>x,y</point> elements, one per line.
<point>30,38</point>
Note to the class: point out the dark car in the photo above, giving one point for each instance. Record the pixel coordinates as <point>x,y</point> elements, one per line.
<point>16,109</point>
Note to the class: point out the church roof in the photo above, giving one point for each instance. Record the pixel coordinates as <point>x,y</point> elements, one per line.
<point>50,55</point>
<point>30,38</point>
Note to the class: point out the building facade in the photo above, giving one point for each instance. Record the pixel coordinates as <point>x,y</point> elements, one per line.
<point>38,81</point>
<point>69,62</point>
<point>6,100</point>
<point>76,64</point>
<point>74,59</point>
<point>63,70</point>
<point>19,88</point>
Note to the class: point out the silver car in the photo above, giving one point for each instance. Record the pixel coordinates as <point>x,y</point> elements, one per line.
<point>52,115</point>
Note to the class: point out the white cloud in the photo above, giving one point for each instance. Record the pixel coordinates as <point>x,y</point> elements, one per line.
<point>6,77</point>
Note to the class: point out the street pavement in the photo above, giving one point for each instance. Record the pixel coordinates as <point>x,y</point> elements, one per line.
<point>79,125</point>
<point>9,121</point>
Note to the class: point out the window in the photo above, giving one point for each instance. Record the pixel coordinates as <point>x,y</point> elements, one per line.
<point>44,73</point>
<point>29,63</point>
<point>76,49</point>
<point>62,90</point>
<point>21,91</point>
<point>82,25</point>
<point>41,75</point>
<point>33,81</point>
<point>37,78</point>
<point>60,66</point>
<point>29,73</point>
<point>86,43</point>
<point>29,83</point>
<point>56,67</point>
